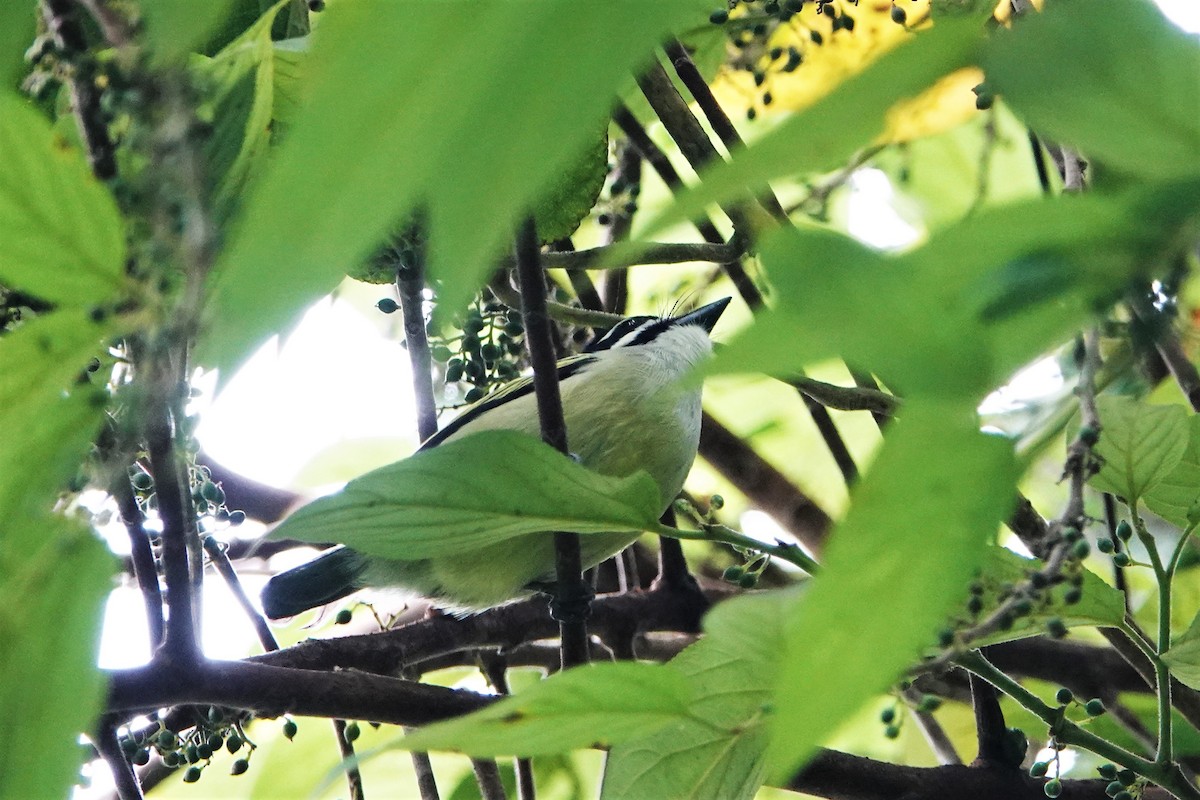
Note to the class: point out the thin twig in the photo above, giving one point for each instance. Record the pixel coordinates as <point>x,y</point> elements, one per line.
<point>844,398</point>
<point>572,595</point>
<point>639,254</point>
<point>990,728</point>
<point>487,775</point>
<point>581,317</point>
<point>123,774</point>
<point>144,569</point>
<point>410,285</point>
<point>220,560</point>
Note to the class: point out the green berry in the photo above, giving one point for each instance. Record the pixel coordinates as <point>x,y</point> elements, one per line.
<point>1089,435</point>
<point>192,775</point>
<point>440,353</point>
<point>343,617</point>
<point>945,637</point>
<point>1126,776</point>
<point>141,758</point>
<point>1124,531</point>
<point>1056,628</point>
<point>888,715</point>
<point>233,743</point>
<point>239,767</point>
<point>204,751</point>
<point>1114,788</point>
<point>352,732</point>
<point>1081,549</point>
<point>892,731</point>
<point>1038,769</point>
<point>1064,696</point>
<point>289,729</point>
<point>733,574</point>
<point>1106,546</point>
<point>717,502</point>
<point>142,481</point>
<point>1122,795</point>
<point>475,395</point>
<point>1107,771</point>
<point>748,581</point>
<point>167,740</point>
<point>1094,707</point>
<point>719,17</point>
<point>191,753</point>
<point>1073,595</point>
<point>899,15</point>
<point>1122,559</point>
<point>1071,534</point>
<point>974,605</point>
<point>237,517</point>
<point>387,305</point>
<point>929,703</point>
<point>454,372</point>
<point>172,759</point>
<point>1053,788</point>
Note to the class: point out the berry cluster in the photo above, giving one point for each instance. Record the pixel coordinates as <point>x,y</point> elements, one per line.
<point>194,749</point>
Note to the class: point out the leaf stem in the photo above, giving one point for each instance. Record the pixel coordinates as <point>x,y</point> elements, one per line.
<point>1166,775</point>
<point>785,551</point>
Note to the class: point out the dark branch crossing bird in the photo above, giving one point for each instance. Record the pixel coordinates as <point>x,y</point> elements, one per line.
<point>627,408</point>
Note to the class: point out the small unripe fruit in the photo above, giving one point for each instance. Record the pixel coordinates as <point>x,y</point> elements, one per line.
<point>290,729</point>
<point>1124,531</point>
<point>1094,707</point>
<point>899,15</point>
<point>192,775</point>
<point>343,616</point>
<point>1064,696</point>
<point>1053,788</point>
<point>1038,769</point>
<point>388,306</point>
<point>1122,559</point>
<point>239,767</point>
<point>352,732</point>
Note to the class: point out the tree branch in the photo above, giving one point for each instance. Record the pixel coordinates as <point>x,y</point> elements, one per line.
<point>570,606</point>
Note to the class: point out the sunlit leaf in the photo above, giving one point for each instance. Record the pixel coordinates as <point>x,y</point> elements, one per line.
<point>470,108</point>
<point>1117,81</point>
<point>61,237</point>
<point>592,706</point>
<point>454,498</point>
<point>828,133</point>
<point>720,749</point>
<point>902,559</point>
<point>1140,445</point>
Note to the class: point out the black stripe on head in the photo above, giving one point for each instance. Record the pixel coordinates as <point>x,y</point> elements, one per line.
<point>622,334</point>
<point>518,388</point>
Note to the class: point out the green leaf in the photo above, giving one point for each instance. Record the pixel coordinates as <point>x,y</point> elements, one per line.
<point>1117,81</point>
<point>243,78</point>
<point>592,706</point>
<point>833,129</point>
<point>177,27</point>
<point>43,409</point>
<point>1176,491</point>
<point>719,750</point>
<point>61,237</point>
<point>1140,444</point>
<point>573,193</point>
<point>16,34</point>
<point>453,499</point>
<point>1001,287</point>
<point>1101,606</point>
<point>895,568</point>
<point>469,108</point>
<point>54,576</point>
<point>290,88</point>
<point>1184,656</point>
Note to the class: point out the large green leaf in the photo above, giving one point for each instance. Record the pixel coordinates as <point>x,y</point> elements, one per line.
<point>43,408</point>
<point>593,706</point>
<point>1117,80</point>
<point>1140,445</point>
<point>1001,288</point>
<point>1101,605</point>
<point>176,27</point>
<point>470,492</point>
<point>61,237</point>
<point>54,576</point>
<point>469,108</point>
<point>895,568</point>
<point>1174,493</point>
<point>833,129</point>
<point>719,750</point>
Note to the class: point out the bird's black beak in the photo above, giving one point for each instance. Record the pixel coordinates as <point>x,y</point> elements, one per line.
<point>706,317</point>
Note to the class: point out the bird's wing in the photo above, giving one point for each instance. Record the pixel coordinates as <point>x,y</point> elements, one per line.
<point>567,367</point>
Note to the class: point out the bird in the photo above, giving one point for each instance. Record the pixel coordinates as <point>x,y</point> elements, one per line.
<point>627,407</point>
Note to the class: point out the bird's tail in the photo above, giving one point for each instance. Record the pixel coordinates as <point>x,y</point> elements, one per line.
<point>328,577</point>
